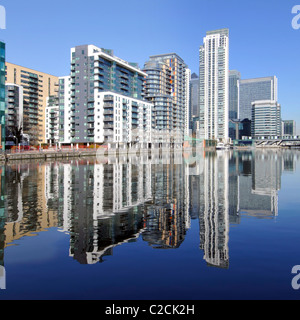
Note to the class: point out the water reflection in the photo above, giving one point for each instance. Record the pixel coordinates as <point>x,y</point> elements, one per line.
<point>103,204</point>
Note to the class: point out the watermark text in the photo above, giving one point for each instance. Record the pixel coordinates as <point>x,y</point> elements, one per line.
<point>296,19</point>
<point>2,17</point>
<point>295,281</point>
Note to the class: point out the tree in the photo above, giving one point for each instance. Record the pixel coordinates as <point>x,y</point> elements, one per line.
<point>17,132</point>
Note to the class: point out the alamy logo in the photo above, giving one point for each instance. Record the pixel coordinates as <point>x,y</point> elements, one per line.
<point>2,17</point>
<point>295,21</point>
<point>295,281</point>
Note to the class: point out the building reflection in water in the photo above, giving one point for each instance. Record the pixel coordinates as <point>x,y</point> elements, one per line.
<point>103,204</point>
<point>168,216</point>
<point>214,209</point>
<point>259,183</point>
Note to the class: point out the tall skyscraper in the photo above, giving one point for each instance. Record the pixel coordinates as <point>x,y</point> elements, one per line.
<point>37,87</point>
<point>214,86</point>
<point>106,103</point>
<point>195,111</point>
<point>187,103</point>
<point>251,90</point>
<point>158,90</point>
<point>168,88</point>
<point>2,95</point>
<point>195,95</point>
<point>234,77</point>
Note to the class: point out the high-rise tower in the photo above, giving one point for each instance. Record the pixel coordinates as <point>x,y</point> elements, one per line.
<point>250,90</point>
<point>214,86</point>
<point>168,88</point>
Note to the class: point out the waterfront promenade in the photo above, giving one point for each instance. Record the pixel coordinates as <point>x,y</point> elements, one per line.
<point>66,153</point>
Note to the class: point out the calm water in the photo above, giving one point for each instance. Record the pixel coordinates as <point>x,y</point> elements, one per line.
<point>225,225</point>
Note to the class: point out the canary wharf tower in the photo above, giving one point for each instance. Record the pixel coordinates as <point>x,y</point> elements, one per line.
<point>214,86</point>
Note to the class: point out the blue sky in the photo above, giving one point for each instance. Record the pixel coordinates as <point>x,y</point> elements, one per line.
<point>39,35</point>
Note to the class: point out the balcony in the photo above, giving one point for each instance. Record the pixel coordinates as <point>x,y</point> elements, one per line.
<point>109,125</point>
<point>32,80</point>
<point>12,118</point>
<point>98,84</point>
<point>108,112</point>
<point>108,132</point>
<point>108,98</point>
<point>90,132</point>
<point>98,70</point>
<point>108,119</point>
<point>124,83</point>
<point>91,119</point>
<point>108,105</point>
<point>124,76</point>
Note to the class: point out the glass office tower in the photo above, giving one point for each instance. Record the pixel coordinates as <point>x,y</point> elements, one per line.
<point>251,90</point>
<point>234,77</point>
<point>266,119</point>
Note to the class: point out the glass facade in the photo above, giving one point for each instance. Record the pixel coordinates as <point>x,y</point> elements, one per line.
<point>266,119</point>
<point>95,71</point>
<point>167,87</point>
<point>288,128</point>
<point>251,90</point>
<point>2,94</point>
<point>234,77</point>
<point>158,90</point>
<point>113,76</point>
<point>195,95</point>
<point>239,129</point>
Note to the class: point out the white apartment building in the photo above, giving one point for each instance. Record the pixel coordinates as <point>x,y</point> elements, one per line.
<point>52,121</point>
<point>120,120</point>
<point>105,102</point>
<point>188,109</point>
<point>64,93</point>
<point>214,86</point>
